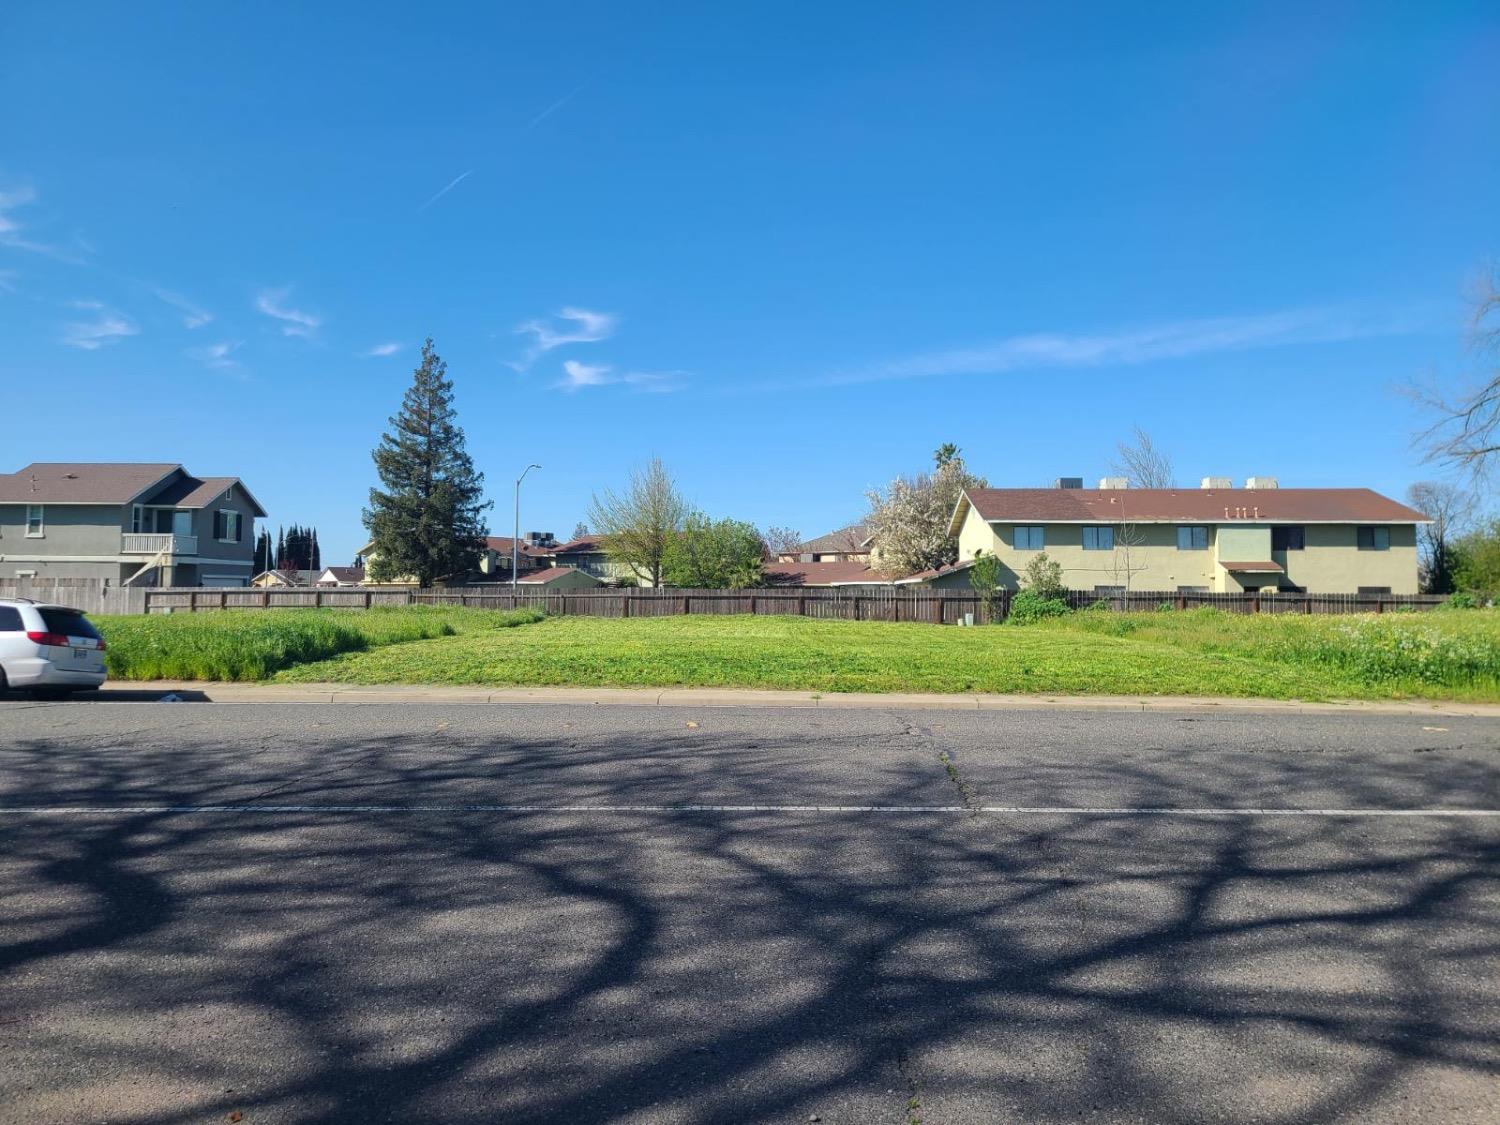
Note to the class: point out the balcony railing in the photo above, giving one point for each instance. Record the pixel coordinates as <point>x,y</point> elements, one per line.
<point>134,543</point>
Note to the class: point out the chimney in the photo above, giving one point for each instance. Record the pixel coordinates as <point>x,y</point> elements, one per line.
<point>1114,482</point>
<point>1068,482</point>
<point>1262,482</point>
<point>1216,482</point>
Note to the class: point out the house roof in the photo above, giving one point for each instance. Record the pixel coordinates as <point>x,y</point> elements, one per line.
<point>846,539</point>
<point>848,573</point>
<point>501,545</point>
<point>588,544</point>
<point>552,573</point>
<point>935,572</point>
<point>344,573</point>
<point>200,492</point>
<point>1182,505</point>
<point>67,482</point>
<point>291,577</point>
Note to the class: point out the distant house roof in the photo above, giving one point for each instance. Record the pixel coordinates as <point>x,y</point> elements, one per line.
<point>502,544</point>
<point>66,482</point>
<point>936,572</point>
<point>854,538</point>
<point>1182,505</point>
<point>346,575</point>
<point>589,544</point>
<point>551,574</point>
<point>289,577</point>
<point>852,572</point>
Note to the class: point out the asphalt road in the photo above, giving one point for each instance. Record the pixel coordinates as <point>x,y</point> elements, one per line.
<point>428,913</point>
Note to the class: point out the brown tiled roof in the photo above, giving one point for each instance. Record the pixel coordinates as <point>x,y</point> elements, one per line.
<point>62,482</point>
<point>501,544</point>
<point>589,543</point>
<point>1187,505</point>
<point>822,573</point>
<point>937,572</point>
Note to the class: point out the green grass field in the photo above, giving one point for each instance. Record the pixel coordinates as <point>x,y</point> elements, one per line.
<point>255,644</point>
<point>1202,652</point>
<point>1443,655</point>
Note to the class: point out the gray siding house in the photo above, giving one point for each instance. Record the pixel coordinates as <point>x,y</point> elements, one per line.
<point>137,525</point>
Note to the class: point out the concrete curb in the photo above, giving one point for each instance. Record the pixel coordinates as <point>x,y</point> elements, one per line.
<point>190,692</point>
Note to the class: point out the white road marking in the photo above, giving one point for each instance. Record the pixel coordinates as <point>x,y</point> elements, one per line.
<point>990,810</point>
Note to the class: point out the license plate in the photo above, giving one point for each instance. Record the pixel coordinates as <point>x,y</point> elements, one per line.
<point>82,653</point>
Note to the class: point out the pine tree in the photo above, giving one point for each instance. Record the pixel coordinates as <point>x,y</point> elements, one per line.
<point>315,555</point>
<point>428,520</point>
<point>281,548</point>
<point>263,551</point>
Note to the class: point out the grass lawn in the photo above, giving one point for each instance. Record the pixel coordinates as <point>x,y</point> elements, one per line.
<point>1443,655</point>
<point>254,644</point>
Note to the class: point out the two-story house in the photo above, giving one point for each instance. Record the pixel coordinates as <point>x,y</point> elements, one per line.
<point>127,524</point>
<point>1212,539</point>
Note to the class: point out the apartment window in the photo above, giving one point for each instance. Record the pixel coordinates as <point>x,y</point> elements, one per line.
<point>1192,589</point>
<point>1098,539</point>
<point>1192,538</point>
<point>137,519</point>
<point>35,521</point>
<point>1029,538</point>
<point>1374,590</point>
<point>1373,539</point>
<point>1288,539</point>
<point>1111,591</point>
<point>227,526</point>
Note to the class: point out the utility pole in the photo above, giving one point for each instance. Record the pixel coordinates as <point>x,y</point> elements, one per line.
<point>515,543</point>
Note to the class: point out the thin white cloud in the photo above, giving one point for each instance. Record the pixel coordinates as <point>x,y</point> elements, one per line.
<point>1174,340</point>
<point>272,302</point>
<point>11,230</point>
<point>577,376</point>
<point>192,315</point>
<point>453,183</point>
<point>554,107</point>
<point>587,327</point>
<point>107,327</point>
<point>217,356</point>
<point>381,350</point>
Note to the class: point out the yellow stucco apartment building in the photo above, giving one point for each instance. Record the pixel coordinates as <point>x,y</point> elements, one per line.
<point>1212,539</point>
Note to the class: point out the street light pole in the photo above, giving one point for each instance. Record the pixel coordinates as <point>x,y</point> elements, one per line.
<point>515,543</point>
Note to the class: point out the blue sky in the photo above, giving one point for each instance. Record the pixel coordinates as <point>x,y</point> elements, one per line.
<point>789,248</point>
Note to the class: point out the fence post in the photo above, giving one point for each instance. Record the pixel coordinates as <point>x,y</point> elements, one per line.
<point>318,599</point>
<point>1255,603</point>
<point>223,599</point>
<point>265,598</point>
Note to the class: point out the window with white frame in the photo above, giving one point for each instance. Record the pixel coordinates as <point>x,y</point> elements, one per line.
<point>1029,538</point>
<point>36,524</point>
<point>137,519</point>
<point>1098,539</point>
<point>1192,538</point>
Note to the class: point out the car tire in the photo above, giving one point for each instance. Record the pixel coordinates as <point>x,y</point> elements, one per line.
<point>51,694</point>
<point>4,683</point>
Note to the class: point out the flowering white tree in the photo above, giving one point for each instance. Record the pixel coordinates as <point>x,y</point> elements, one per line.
<point>908,519</point>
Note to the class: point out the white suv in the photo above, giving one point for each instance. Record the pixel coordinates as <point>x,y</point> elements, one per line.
<point>48,649</point>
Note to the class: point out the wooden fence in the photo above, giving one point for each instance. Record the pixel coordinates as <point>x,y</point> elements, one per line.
<point>862,603</point>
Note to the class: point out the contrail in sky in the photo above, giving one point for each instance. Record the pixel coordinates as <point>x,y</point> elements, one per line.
<point>456,181</point>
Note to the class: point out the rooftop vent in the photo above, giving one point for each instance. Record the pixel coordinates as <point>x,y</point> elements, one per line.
<point>1262,482</point>
<point>1114,482</point>
<point>1068,482</point>
<point>1216,482</point>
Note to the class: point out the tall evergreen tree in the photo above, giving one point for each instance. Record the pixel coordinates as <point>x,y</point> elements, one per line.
<point>263,552</point>
<point>281,548</point>
<point>315,556</point>
<point>427,519</point>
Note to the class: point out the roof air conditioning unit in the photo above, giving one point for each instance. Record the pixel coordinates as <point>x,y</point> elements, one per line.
<point>1262,482</point>
<point>1216,482</point>
<point>1114,482</point>
<point>1068,482</point>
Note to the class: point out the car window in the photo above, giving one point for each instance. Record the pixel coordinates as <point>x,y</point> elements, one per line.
<point>68,622</point>
<point>10,619</point>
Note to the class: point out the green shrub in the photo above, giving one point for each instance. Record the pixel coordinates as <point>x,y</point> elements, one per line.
<point>1165,607</point>
<point>1460,599</point>
<point>1043,577</point>
<point>1028,606</point>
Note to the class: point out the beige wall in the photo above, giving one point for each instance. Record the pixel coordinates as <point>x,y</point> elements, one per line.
<point>1331,562</point>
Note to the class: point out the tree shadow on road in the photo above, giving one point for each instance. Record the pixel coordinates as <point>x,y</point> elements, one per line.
<point>470,966</point>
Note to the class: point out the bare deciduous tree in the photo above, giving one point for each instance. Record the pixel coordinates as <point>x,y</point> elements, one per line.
<point>1465,434</point>
<point>1449,508</point>
<point>782,540</point>
<point>1144,464</point>
<point>637,526</point>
